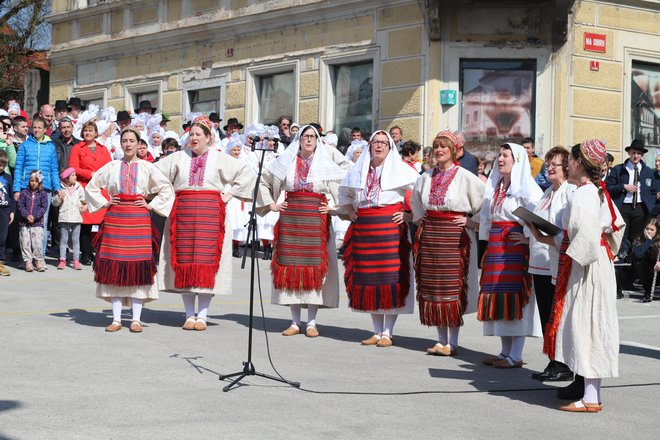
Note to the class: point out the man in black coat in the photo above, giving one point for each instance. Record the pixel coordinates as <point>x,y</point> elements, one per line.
<point>631,186</point>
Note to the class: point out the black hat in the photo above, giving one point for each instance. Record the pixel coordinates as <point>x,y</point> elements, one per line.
<point>146,105</point>
<point>213,117</point>
<point>77,102</point>
<point>637,144</point>
<point>122,115</point>
<point>60,104</point>
<point>234,122</point>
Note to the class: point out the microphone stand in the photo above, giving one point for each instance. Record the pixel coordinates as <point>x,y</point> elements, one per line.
<point>248,366</point>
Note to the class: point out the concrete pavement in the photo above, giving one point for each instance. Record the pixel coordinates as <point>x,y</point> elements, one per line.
<point>63,377</point>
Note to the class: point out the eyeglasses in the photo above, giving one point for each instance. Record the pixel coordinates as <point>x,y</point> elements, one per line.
<point>308,136</point>
<point>553,165</point>
<point>380,143</point>
<point>284,125</point>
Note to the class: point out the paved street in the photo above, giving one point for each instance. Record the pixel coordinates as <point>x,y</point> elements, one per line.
<point>63,377</point>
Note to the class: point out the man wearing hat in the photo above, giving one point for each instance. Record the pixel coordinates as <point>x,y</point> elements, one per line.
<point>215,118</point>
<point>75,107</point>
<point>145,107</point>
<point>61,109</point>
<point>233,126</point>
<point>163,122</point>
<point>631,186</point>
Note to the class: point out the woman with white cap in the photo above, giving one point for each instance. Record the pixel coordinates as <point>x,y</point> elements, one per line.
<point>506,304</point>
<point>304,274</point>
<point>237,210</point>
<point>377,247</point>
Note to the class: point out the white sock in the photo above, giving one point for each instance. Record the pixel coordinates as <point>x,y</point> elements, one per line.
<point>517,345</point>
<point>189,304</point>
<point>442,335</point>
<point>116,308</point>
<point>311,315</point>
<point>295,313</point>
<point>203,303</point>
<point>506,346</point>
<point>137,309</point>
<point>390,320</point>
<point>591,390</point>
<point>378,321</point>
<point>453,336</point>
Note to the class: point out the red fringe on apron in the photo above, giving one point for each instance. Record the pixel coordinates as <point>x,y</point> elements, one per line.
<point>505,283</point>
<point>126,245</point>
<point>442,264</point>
<point>197,231</point>
<point>300,249</point>
<point>377,260</point>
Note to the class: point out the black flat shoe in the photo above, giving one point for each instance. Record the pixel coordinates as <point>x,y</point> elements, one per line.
<point>558,376</point>
<point>235,253</point>
<point>574,391</point>
<point>646,299</point>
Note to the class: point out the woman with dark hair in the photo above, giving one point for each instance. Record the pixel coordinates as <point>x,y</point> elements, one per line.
<point>377,246</point>
<point>86,158</point>
<point>195,259</point>
<point>507,304</point>
<point>583,331</point>
<point>445,246</point>
<point>645,256</point>
<point>125,264</point>
<point>304,267</point>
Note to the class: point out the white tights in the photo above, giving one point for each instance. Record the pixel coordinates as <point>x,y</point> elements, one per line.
<point>296,310</point>
<point>383,324</point>
<point>116,308</point>
<point>203,303</point>
<point>592,390</point>
<point>512,346</point>
<point>452,332</point>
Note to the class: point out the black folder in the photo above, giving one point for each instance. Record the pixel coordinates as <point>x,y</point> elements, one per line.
<point>541,224</point>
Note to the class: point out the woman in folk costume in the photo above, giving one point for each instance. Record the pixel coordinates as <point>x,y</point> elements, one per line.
<point>270,141</point>
<point>127,243</point>
<point>195,258</point>
<point>506,303</point>
<point>583,331</point>
<point>543,259</point>
<point>304,266</point>
<point>377,254</point>
<point>446,246</point>
<point>237,210</point>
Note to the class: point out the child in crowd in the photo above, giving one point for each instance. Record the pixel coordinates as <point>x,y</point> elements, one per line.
<point>7,208</point>
<point>481,169</point>
<point>409,152</point>
<point>32,204</point>
<point>71,200</point>
<point>645,256</point>
<point>143,151</point>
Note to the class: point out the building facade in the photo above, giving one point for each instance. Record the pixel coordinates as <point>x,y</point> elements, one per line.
<point>558,71</point>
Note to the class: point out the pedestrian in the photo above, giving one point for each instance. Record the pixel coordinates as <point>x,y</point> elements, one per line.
<point>583,331</point>
<point>126,245</point>
<point>7,209</point>
<point>71,203</point>
<point>195,259</point>
<point>507,304</point>
<point>304,274</point>
<point>33,205</point>
<point>445,247</point>
<point>645,256</point>
<point>373,195</point>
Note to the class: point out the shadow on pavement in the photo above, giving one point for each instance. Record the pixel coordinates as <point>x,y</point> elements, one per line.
<point>6,405</point>
<point>102,318</point>
<point>639,351</point>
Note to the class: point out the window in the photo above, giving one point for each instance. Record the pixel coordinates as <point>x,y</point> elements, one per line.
<point>645,122</point>
<point>275,95</point>
<point>151,96</point>
<point>352,86</point>
<point>500,94</point>
<point>91,96</point>
<point>95,101</point>
<point>205,100</point>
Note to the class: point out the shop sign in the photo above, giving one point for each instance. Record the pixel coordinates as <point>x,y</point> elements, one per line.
<point>595,42</point>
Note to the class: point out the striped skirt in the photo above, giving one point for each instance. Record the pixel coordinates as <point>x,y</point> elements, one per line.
<point>197,230</point>
<point>505,283</point>
<point>300,245</point>
<point>563,272</point>
<point>377,260</point>
<point>442,264</point>
<point>126,245</point>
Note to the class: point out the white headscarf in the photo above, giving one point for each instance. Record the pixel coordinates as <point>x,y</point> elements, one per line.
<point>396,174</point>
<point>331,139</point>
<point>234,141</point>
<point>322,169</point>
<point>357,143</point>
<point>522,183</point>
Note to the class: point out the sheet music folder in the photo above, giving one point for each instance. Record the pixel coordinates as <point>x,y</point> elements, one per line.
<point>543,225</point>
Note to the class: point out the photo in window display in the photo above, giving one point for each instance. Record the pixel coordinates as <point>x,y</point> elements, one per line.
<point>497,103</point>
<point>645,106</point>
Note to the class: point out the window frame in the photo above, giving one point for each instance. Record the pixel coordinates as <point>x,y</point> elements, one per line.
<point>251,84</point>
<point>92,94</point>
<point>143,87</point>
<point>190,86</point>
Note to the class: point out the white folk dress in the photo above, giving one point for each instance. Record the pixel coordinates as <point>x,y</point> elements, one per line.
<point>588,334</point>
<point>221,170</point>
<point>464,194</point>
<point>530,324</point>
<point>150,182</point>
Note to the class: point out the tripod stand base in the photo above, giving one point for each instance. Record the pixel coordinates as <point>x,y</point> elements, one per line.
<point>248,370</point>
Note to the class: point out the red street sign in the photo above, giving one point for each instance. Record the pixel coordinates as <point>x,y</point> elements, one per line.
<point>595,42</point>
<point>594,65</point>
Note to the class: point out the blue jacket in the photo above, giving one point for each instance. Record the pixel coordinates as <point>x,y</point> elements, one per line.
<point>619,176</point>
<point>33,155</point>
<point>656,189</point>
<point>469,162</point>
